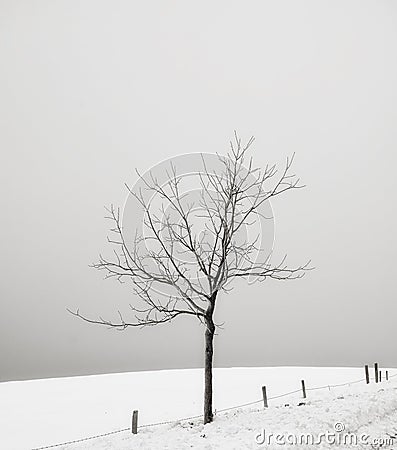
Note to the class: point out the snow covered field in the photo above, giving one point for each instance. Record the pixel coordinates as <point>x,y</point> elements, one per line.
<point>44,412</point>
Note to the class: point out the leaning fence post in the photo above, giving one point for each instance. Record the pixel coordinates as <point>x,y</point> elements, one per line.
<point>264,396</point>
<point>376,372</point>
<point>303,388</point>
<point>134,425</point>
<point>387,375</point>
<point>367,373</point>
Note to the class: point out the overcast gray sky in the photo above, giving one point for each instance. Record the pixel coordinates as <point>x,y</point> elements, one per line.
<point>91,89</point>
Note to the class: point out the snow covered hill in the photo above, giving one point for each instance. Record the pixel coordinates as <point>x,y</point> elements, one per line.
<point>44,412</point>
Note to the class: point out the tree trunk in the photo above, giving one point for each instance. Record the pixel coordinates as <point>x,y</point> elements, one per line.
<point>209,353</point>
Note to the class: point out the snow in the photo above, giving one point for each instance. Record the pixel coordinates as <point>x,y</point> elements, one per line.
<point>44,412</point>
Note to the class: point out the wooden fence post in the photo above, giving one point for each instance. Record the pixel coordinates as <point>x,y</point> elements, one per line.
<point>134,425</point>
<point>387,375</point>
<point>380,376</point>
<point>376,372</point>
<point>367,373</point>
<point>303,388</point>
<point>264,396</point>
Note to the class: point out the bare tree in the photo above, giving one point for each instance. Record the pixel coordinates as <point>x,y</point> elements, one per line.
<point>190,252</point>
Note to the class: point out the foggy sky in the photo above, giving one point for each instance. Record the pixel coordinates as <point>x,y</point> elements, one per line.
<point>90,90</point>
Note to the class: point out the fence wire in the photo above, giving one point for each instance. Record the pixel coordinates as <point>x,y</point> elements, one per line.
<point>76,441</point>
<point>169,422</point>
